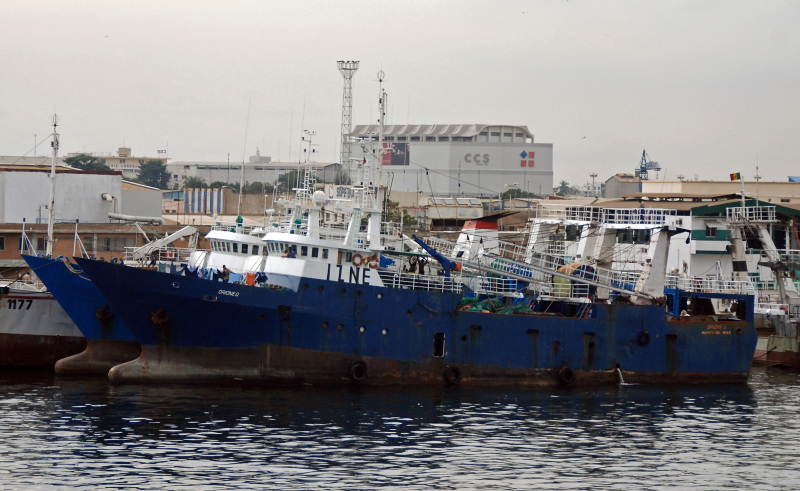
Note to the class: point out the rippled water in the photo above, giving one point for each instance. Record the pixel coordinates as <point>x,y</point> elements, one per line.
<point>86,433</point>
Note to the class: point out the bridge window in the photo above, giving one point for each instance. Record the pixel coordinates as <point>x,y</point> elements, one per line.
<point>315,252</point>
<point>255,250</point>
<point>244,248</point>
<point>711,231</point>
<point>304,250</point>
<point>236,247</point>
<point>430,138</point>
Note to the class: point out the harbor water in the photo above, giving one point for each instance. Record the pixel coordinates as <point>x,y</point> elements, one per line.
<point>85,433</point>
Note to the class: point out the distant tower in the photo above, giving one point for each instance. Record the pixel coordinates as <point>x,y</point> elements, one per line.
<point>347,69</point>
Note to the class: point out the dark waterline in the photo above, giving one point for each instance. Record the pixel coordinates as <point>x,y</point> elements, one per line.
<point>87,433</point>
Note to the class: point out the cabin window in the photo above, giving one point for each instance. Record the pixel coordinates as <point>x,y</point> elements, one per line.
<point>711,231</point>
<point>255,250</point>
<point>324,253</point>
<point>414,138</point>
<point>266,252</point>
<point>573,232</point>
<point>304,250</point>
<point>430,138</point>
<point>348,257</point>
<point>244,248</point>
<point>236,247</point>
<point>315,252</point>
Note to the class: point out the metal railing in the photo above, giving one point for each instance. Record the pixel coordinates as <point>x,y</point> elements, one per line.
<point>709,285</point>
<point>638,216</point>
<point>421,282</point>
<point>160,255</point>
<point>750,214</point>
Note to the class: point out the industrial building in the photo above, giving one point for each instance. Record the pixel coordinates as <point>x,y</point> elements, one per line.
<point>458,159</point>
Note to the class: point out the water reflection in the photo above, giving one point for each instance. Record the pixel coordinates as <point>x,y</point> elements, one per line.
<point>87,433</point>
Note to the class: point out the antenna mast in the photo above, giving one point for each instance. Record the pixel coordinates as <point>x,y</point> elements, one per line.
<point>54,144</point>
<point>347,69</point>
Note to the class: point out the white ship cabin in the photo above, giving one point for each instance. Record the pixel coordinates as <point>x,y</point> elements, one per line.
<point>247,249</point>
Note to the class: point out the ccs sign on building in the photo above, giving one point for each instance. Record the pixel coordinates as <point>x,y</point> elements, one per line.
<point>477,158</point>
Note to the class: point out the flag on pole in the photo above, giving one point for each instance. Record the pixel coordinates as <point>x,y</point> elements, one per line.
<point>736,176</point>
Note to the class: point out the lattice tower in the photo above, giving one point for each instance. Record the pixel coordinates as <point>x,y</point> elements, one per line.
<point>347,69</point>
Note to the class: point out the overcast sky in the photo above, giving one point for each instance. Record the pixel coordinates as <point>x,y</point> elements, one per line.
<point>706,87</point>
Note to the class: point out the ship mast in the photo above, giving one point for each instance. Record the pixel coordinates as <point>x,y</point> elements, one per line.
<point>54,144</point>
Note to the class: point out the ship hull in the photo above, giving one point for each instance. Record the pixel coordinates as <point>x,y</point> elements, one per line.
<point>777,351</point>
<point>109,342</point>
<point>35,331</point>
<point>194,330</point>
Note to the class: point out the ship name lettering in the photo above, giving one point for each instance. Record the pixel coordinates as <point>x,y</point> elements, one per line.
<point>228,292</point>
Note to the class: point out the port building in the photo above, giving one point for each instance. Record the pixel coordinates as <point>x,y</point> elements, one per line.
<point>458,159</point>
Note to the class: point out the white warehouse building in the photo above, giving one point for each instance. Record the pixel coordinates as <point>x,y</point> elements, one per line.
<point>459,159</point>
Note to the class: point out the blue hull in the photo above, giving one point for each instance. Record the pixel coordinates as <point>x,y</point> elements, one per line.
<point>109,341</point>
<point>196,330</point>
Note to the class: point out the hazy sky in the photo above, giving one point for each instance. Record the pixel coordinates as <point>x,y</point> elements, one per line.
<point>706,87</point>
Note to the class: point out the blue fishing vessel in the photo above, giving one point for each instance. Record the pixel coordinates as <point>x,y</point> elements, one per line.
<point>109,342</point>
<point>320,305</point>
<point>334,332</point>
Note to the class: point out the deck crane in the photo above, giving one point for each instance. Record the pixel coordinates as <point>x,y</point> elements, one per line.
<point>645,166</point>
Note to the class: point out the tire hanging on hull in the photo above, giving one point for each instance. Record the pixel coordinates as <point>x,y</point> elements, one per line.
<point>358,371</point>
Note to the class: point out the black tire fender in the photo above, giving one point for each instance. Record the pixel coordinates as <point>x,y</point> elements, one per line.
<point>358,371</point>
<point>452,375</point>
<point>566,375</point>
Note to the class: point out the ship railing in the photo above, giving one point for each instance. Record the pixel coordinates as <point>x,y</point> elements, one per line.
<point>509,250</point>
<point>772,285</point>
<point>443,247</point>
<point>412,281</point>
<point>540,268</point>
<point>23,285</point>
<point>709,285</point>
<point>495,285</point>
<point>773,306</point>
<point>639,216</point>
<point>167,254</point>
<point>569,213</point>
<point>240,228</point>
<point>750,214</point>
